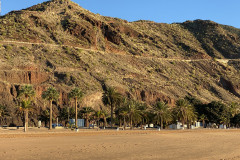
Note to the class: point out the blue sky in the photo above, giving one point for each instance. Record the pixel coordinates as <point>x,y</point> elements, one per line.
<point>163,11</point>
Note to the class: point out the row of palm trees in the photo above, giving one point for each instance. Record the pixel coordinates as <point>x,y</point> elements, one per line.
<point>129,112</point>
<point>124,109</point>
<point>140,113</point>
<point>135,113</point>
<point>26,97</point>
<point>187,111</point>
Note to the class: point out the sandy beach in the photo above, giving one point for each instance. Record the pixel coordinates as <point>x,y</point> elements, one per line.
<point>41,144</point>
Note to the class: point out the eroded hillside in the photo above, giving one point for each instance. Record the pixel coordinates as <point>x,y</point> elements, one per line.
<point>61,44</point>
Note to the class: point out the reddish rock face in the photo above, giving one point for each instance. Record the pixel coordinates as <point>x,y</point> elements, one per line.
<point>23,77</point>
<point>10,83</point>
<point>151,97</point>
<point>29,74</point>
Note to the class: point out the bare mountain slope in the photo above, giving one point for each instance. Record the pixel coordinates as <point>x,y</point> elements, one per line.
<point>61,44</point>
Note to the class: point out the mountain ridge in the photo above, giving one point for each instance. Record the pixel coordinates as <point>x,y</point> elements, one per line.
<point>53,44</point>
<point>121,32</point>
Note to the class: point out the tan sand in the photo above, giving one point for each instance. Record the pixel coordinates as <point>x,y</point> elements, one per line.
<point>64,144</point>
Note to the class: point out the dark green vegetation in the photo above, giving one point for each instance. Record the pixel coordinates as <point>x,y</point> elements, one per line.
<point>67,46</point>
<point>127,112</point>
<point>76,94</point>
<point>51,94</point>
<point>26,94</point>
<point>187,111</point>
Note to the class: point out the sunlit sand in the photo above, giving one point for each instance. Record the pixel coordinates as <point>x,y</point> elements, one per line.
<point>111,144</point>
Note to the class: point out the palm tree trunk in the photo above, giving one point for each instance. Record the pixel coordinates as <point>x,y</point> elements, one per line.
<point>50,119</point>
<point>161,123</point>
<point>120,122</point>
<point>124,122</point>
<point>183,123</point>
<point>111,116</point>
<point>143,123</point>
<point>105,121</point>
<point>76,113</point>
<point>131,126</point>
<point>87,121</point>
<point>68,114</point>
<point>26,121</point>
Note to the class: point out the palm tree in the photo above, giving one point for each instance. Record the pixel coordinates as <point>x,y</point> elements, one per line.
<point>184,111</point>
<point>203,118</point>
<point>101,114</point>
<point>133,113</point>
<point>44,116</point>
<point>124,114</point>
<point>162,112</point>
<point>76,94</point>
<point>234,108</point>
<point>26,93</point>
<point>104,115</point>
<point>144,111</point>
<point>111,97</point>
<point>98,116</point>
<point>25,105</point>
<point>145,117</point>
<point>192,116</point>
<point>65,113</point>
<point>121,111</point>
<point>86,111</point>
<point>50,94</point>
